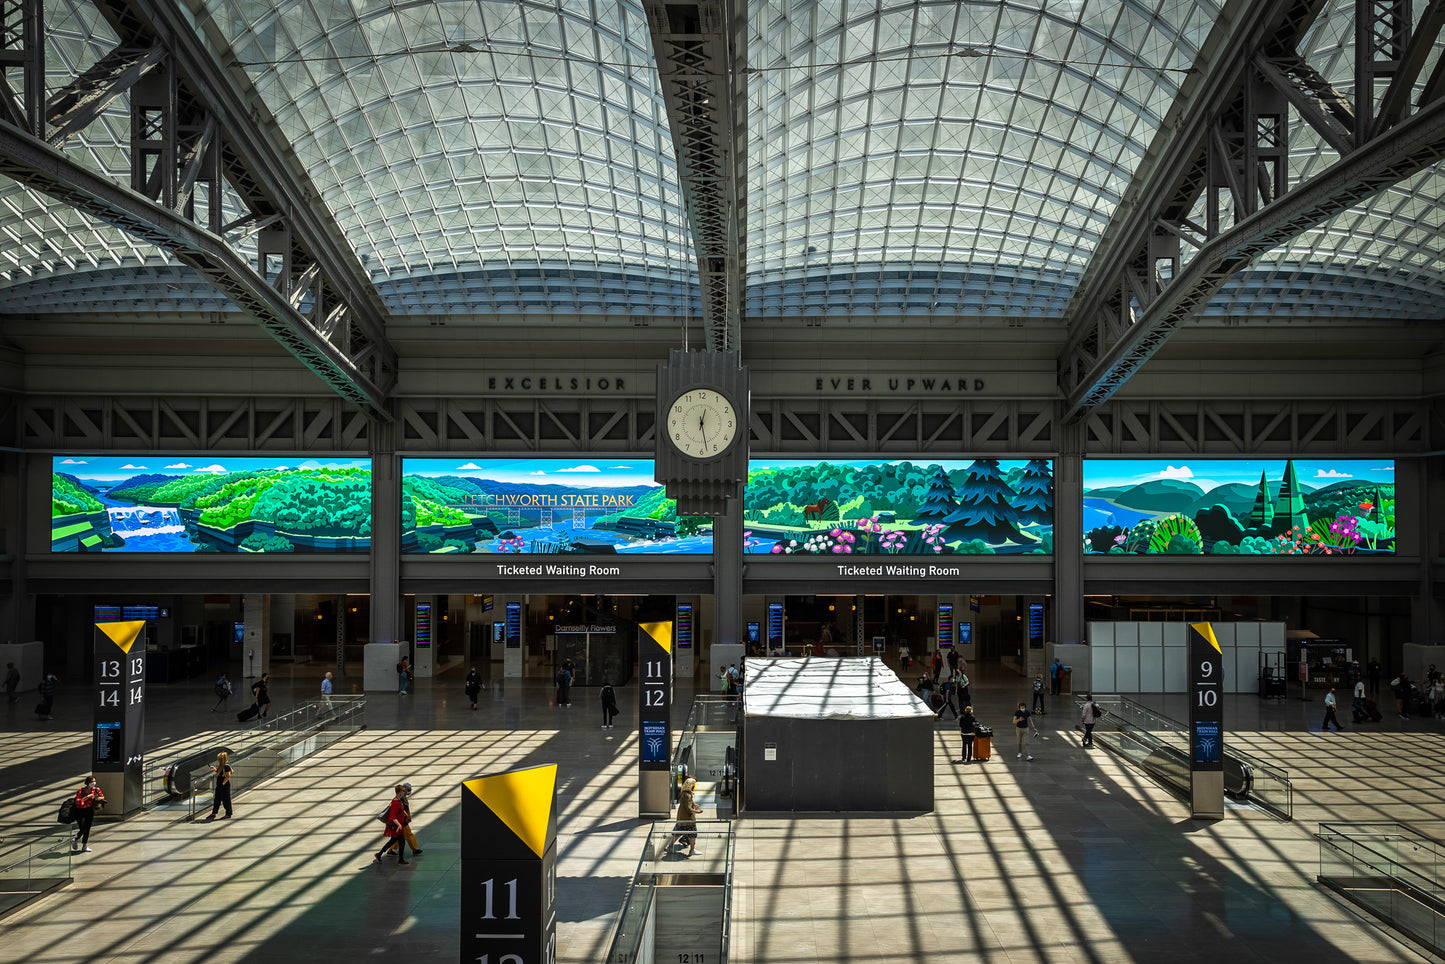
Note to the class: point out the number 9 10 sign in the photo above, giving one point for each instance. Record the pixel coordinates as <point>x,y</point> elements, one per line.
<point>1206,690</point>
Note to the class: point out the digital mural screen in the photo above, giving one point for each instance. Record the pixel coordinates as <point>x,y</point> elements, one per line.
<point>1324,507</point>
<point>210,503</point>
<point>964,507</point>
<point>606,506</point>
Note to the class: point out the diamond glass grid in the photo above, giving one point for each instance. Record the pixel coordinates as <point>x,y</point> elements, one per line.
<point>948,157</point>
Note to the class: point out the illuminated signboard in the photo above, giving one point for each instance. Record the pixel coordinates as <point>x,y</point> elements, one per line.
<point>832,508</point>
<point>965,634</point>
<point>684,624</point>
<point>514,625</point>
<point>209,503</point>
<point>945,624</point>
<point>422,624</point>
<point>1036,625</point>
<point>775,628</point>
<point>1235,507</point>
<point>599,506</point>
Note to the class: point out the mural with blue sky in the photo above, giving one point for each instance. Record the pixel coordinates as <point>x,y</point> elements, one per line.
<point>209,503</point>
<point>593,506</point>
<point>1239,507</point>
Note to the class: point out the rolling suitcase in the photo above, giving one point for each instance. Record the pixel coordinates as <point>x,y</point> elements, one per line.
<point>982,742</point>
<point>249,713</point>
<point>1372,711</point>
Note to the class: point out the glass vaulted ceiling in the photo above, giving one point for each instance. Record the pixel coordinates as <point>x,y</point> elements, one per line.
<point>923,158</point>
<point>480,155</point>
<point>948,157</point>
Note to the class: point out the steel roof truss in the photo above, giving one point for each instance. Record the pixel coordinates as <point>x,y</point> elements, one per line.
<point>75,107</point>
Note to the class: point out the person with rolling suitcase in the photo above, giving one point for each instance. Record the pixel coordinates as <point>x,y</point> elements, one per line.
<point>982,742</point>
<point>966,725</point>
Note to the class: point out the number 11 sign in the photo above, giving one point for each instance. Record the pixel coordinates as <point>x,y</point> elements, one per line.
<point>509,867</point>
<point>654,715</point>
<point>1206,722</point>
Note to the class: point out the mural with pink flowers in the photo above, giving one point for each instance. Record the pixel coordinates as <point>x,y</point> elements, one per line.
<point>903,507</point>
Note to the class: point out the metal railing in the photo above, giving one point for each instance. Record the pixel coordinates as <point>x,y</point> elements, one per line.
<point>1159,745</point>
<point>702,748</point>
<point>663,865</point>
<point>1389,871</point>
<point>258,752</point>
<point>33,862</point>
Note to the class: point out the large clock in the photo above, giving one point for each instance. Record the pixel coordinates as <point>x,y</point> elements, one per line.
<point>702,423</point>
<point>702,429</point>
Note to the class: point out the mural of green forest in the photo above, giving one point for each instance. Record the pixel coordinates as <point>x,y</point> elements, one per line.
<point>243,505</point>
<point>979,507</point>
<point>1234,507</point>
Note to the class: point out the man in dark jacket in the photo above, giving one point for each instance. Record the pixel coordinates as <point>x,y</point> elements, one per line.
<point>263,698</point>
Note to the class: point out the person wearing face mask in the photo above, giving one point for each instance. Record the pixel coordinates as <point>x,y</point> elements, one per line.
<point>87,798</point>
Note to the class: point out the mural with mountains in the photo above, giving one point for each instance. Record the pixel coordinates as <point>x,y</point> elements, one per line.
<point>199,504</point>
<point>542,506</point>
<point>979,507</point>
<point>1238,507</point>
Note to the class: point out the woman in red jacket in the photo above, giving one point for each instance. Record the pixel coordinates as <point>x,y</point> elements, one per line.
<point>395,827</point>
<point>87,798</point>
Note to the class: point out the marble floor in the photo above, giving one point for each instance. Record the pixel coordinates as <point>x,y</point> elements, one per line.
<point>1073,856</point>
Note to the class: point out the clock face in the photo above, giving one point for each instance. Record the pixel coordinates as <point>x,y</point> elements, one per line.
<point>702,423</point>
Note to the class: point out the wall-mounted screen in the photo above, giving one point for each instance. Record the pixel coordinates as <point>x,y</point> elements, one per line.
<point>209,503</point>
<point>977,507</point>
<point>1327,507</point>
<point>601,506</point>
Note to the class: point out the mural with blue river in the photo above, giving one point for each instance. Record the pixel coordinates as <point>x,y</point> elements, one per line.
<point>209,504</point>
<point>600,507</point>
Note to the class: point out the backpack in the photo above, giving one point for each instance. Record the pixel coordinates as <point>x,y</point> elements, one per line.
<point>67,811</point>
<point>223,687</point>
<point>1038,686</point>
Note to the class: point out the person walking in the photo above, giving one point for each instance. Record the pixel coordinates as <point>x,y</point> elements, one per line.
<point>947,691</point>
<point>965,694</point>
<point>87,798</point>
<point>223,693</point>
<point>1039,693</point>
<point>403,676</point>
<point>952,661</point>
<point>1023,722</point>
<point>935,664</point>
<point>1372,672</point>
<point>564,686</point>
<point>473,686</point>
<point>12,680</point>
<point>685,830</point>
<point>47,696</point>
<point>609,705</point>
<point>395,824</point>
<point>905,658</point>
<point>1056,678</point>
<point>1357,703</point>
<point>327,688</point>
<point>1401,686</point>
<point>406,833</point>
<point>1330,712</point>
<point>966,727</point>
<point>1089,717</point>
<point>260,690</point>
<point>222,797</point>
